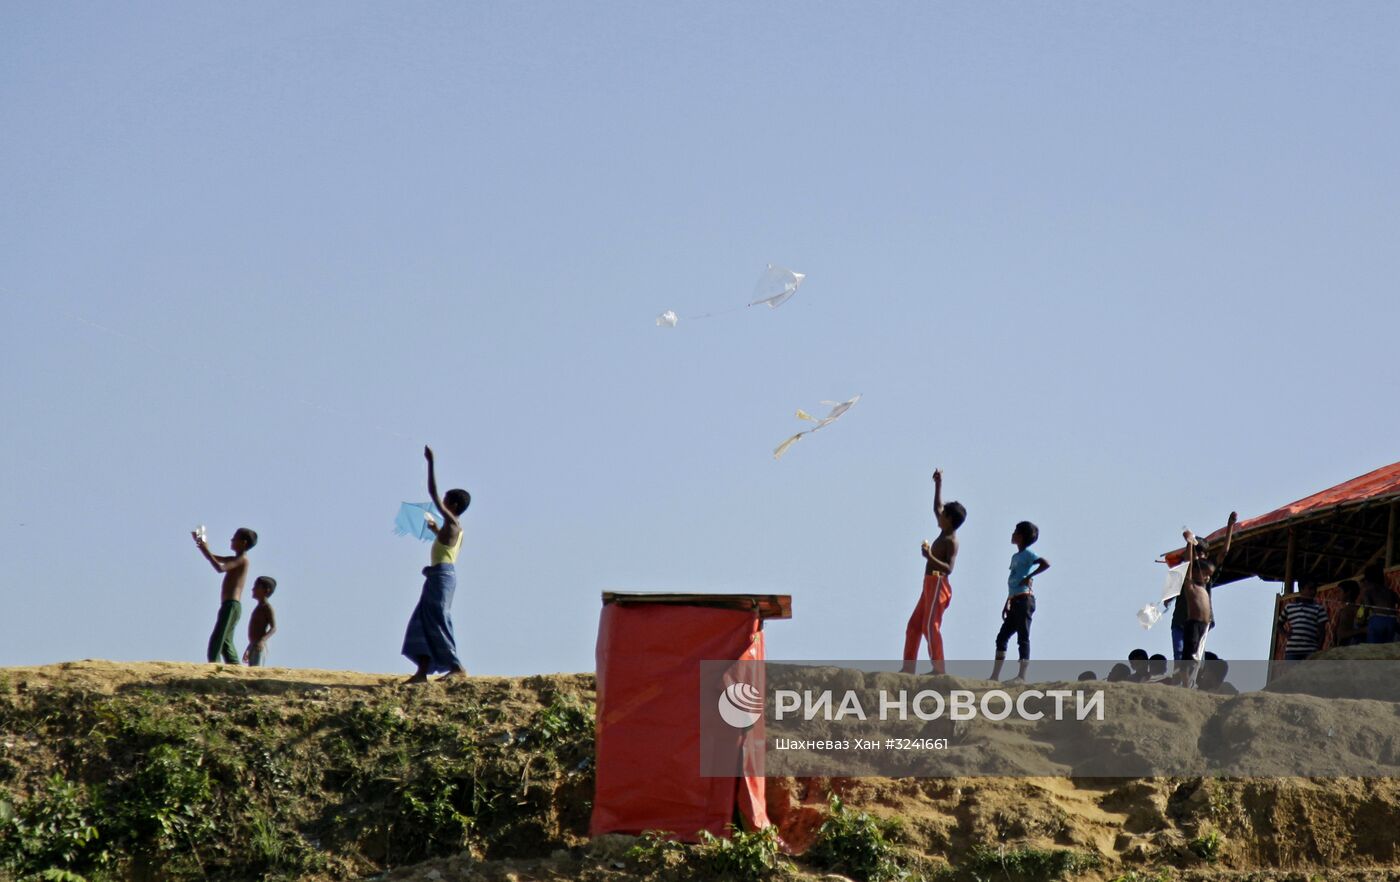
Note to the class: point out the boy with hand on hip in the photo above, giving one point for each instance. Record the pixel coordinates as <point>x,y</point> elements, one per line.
<point>262,624</point>
<point>1020,602</point>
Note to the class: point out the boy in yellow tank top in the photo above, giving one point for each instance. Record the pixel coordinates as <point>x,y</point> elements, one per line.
<point>430,642</point>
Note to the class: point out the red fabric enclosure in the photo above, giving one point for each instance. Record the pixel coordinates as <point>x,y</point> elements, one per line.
<point>648,730</point>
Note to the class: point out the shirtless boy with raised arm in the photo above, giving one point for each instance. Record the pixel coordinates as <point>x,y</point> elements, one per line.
<point>235,570</point>
<point>926,622</point>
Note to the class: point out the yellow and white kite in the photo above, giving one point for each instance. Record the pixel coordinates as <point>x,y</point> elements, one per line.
<point>838,408</point>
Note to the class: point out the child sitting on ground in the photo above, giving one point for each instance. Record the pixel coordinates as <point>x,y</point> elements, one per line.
<point>262,624</point>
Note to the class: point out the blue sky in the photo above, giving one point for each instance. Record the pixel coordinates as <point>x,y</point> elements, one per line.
<point>1115,267</point>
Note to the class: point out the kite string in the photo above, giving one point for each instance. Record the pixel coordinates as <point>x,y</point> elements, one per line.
<point>721,312</point>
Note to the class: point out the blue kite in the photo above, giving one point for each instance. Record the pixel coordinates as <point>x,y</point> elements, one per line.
<point>413,520</point>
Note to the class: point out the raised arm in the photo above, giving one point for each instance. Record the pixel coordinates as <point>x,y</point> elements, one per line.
<point>937,492</point>
<point>448,517</point>
<point>220,564</point>
<point>1229,537</point>
<point>1192,546</point>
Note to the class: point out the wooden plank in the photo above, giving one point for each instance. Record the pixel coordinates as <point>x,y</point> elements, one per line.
<point>1288,585</point>
<point>1390,536</point>
<point>769,606</point>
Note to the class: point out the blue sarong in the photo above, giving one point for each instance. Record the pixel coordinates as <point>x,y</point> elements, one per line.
<point>429,632</point>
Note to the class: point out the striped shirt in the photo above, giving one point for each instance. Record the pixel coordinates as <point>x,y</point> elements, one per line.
<point>1307,623</point>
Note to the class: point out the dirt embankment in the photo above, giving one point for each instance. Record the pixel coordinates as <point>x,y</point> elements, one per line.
<point>168,771</point>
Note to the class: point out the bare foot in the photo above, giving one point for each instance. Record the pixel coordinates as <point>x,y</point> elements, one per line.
<point>453,674</point>
<point>417,678</point>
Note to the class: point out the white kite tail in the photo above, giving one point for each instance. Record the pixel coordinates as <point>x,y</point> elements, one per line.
<point>783,448</point>
<point>1149,615</point>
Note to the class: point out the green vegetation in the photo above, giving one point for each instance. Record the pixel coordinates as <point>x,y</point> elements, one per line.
<point>1208,845</point>
<point>208,781</point>
<point>655,852</point>
<point>740,857</point>
<point>744,857</point>
<point>1028,864</point>
<point>857,844</point>
<point>1141,876</point>
<point>54,828</point>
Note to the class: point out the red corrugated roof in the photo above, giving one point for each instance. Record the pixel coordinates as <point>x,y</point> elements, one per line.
<point>1381,483</point>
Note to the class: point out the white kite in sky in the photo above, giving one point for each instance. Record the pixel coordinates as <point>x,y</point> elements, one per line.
<point>838,408</point>
<point>775,287</point>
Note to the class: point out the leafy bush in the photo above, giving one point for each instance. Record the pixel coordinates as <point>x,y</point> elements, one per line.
<point>563,722</point>
<point>370,724</point>
<point>744,857</point>
<point>276,848</point>
<point>54,829</point>
<point>1029,864</point>
<point>1208,845</point>
<point>857,844</point>
<point>430,803</point>
<point>164,807</point>
<point>655,851</point>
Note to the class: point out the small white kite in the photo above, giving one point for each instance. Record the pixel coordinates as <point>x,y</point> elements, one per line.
<point>837,410</point>
<point>775,287</point>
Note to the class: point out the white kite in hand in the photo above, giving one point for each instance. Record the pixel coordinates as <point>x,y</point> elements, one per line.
<point>837,410</point>
<point>1150,614</point>
<point>1176,579</point>
<point>775,287</point>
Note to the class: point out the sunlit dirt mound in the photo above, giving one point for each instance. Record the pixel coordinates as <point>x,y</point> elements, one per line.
<point>166,771</point>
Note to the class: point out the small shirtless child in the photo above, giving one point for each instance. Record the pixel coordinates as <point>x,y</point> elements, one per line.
<point>926,622</point>
<point>235,570</point>
<point>262,624</point>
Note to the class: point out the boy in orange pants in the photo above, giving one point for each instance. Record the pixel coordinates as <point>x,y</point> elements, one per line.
<point>926,622</point>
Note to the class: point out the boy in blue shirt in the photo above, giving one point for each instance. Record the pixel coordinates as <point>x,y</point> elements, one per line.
<point>1020,602</point>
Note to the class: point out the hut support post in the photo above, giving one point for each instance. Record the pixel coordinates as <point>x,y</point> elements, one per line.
<point>1289,585</point>
<point>1390,536</point>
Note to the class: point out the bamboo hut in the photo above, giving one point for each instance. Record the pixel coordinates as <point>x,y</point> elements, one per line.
<point>1323,539</point>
